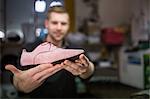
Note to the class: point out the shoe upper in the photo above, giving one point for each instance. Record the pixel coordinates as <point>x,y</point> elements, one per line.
<point>47,53</point>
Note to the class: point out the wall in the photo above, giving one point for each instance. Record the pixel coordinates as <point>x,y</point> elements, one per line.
<point>82,12</point>
<point>114,12</point>
<point>2,15</point>
<point>117,12</point>
<point>111,12</point>
<point>140,17</point>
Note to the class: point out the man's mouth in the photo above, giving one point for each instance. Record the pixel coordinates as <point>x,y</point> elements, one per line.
<point>58,34</point>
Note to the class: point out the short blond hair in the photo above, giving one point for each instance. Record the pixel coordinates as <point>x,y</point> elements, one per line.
<point>57,9</point>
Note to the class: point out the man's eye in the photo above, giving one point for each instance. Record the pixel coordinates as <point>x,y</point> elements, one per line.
<point>54,22</point>
<point>63,23</point>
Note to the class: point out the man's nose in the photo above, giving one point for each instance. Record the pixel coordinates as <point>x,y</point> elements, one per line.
<point>59,26</point>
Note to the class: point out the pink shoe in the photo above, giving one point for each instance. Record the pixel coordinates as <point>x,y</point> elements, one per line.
<point>47,53</point>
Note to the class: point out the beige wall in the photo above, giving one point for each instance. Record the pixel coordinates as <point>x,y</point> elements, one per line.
<point>81,12</point>
<point>139,22</point>
<point>114,12</point>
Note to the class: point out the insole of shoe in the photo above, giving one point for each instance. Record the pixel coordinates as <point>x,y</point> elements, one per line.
<point>54,63</point>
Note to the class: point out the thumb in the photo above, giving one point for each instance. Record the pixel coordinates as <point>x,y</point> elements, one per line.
<point>12,68</point>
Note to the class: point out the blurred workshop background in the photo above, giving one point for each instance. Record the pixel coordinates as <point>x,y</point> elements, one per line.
<point>114,33</point>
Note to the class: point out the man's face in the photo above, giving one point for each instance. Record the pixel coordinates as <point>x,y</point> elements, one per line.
<point>57,25</point>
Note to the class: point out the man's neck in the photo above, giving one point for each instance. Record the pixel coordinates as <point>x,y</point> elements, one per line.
<point>56,43</point>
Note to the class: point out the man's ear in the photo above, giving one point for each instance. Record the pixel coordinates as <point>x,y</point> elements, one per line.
<point>46,23</point>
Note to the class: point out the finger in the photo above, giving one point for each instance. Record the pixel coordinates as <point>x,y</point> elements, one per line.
<point>73,67</point>
<point>84,60</point>
<point>71,64</point>
<point>78,61</point>
<point>39,68</point>
<point>80,65</point>
<point>48,72</point>
<point>13,69</point>
<point>83,57</point>
<point>71,70</point>
<point>68,66</point>
<point>76,71</point>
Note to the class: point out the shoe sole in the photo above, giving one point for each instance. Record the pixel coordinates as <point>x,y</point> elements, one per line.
<point>54,63</point>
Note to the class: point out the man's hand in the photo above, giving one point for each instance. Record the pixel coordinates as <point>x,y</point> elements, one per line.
<point>30,79</point>
<point>82,67</point>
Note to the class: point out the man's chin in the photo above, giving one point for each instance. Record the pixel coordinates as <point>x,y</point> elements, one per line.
<point>59,39</point>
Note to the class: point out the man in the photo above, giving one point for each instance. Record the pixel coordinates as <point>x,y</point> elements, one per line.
<point>47,80</point>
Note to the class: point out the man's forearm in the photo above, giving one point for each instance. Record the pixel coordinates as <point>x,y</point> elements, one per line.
<point>89,71</point>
